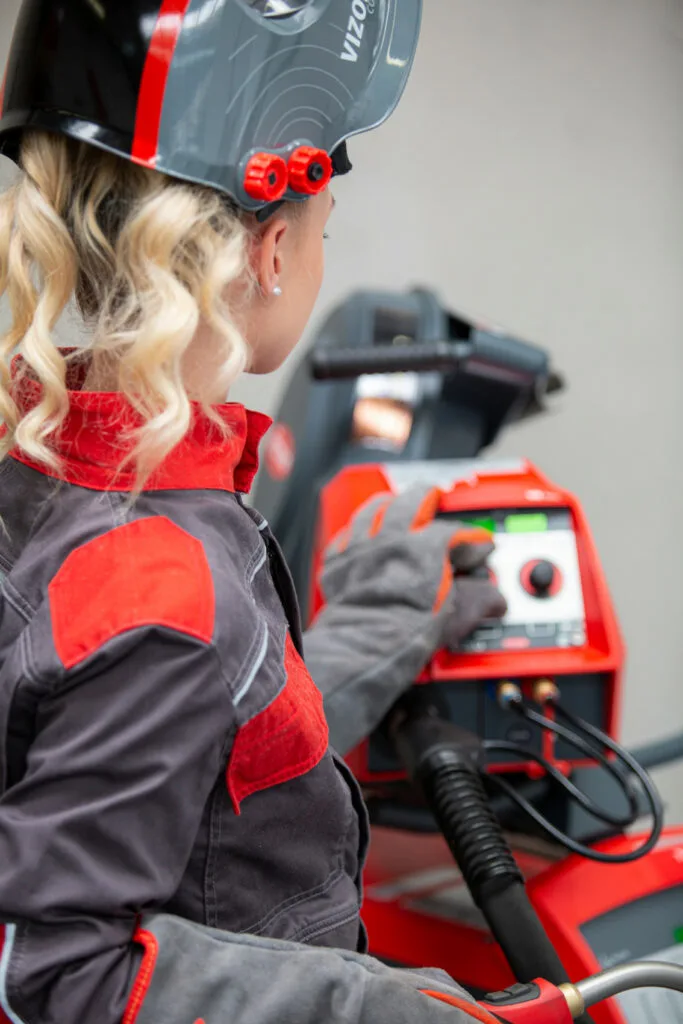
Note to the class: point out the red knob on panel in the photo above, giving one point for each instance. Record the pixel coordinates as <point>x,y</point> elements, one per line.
<point>266,177</point>
<point>310,170</point>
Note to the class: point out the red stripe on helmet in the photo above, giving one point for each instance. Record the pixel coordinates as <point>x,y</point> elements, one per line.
<point>154,78</point>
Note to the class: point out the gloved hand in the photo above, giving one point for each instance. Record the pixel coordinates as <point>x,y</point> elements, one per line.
<point>398,586</point>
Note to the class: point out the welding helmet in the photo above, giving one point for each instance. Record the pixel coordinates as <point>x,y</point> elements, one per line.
<point>255,98</point>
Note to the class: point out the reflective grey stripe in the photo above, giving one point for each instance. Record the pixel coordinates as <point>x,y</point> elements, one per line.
<point>259,565</point>
<point>8,949</point>
<point>260,658</point>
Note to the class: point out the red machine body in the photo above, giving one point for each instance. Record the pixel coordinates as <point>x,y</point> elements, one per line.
<point>417,908</point>
<point>418,911</point>
<point>568,633</point>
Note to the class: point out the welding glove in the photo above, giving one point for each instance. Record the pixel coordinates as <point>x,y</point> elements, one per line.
<point>399,585</point>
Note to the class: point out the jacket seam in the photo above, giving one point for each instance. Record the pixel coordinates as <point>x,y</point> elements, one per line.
<point>257,567</point>
<point>249,678</point>
<point>17,601</point>
<point>343,916</point>
<point>360,814</point>
<point>44,512</point>
<point>259,521</point>
<point>215,833</point>
<point>248,665</point>
<point>249,659</point>
<point>26,656</point>
<point>215,830</point>
<point>254,565</point>
<point>120,516</point>
<point>294,901</point>
<point>209,646</point>
<point>251,656</point>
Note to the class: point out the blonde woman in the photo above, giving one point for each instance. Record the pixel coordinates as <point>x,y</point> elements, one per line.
<point>178,841</point>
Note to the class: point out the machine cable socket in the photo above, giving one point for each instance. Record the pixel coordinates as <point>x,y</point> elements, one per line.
<point>508,693</point>
<point>596,746</point>
<point>545,691</point>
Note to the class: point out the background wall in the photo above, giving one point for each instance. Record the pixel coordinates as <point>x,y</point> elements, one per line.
<point>549,136</point>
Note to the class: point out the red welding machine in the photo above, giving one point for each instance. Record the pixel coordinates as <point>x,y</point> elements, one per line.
<point>560,623</point>
<point>560,631</point>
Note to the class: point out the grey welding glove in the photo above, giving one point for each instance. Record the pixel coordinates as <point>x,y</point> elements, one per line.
<point>399,585</point>
<point>194,974</point>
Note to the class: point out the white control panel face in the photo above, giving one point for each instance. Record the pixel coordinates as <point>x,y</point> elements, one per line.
<point>536,567</point>
<point>564,603</point>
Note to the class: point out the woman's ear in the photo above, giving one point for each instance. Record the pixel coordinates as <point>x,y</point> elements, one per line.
<point>268,258</point>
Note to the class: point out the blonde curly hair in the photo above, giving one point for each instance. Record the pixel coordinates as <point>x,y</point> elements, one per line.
<point>147,260</point>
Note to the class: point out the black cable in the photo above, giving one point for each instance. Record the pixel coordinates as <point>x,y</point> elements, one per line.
<point>653,798</point>
<point>591,752</point>
<point>649,788</point>
<point>559,836</point>
<point>506,746</point>
<point>604,740</point>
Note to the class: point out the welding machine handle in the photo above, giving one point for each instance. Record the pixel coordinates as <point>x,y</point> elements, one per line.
<point>349,363</point>
<point>537,1003</point>
<point>507,358</point>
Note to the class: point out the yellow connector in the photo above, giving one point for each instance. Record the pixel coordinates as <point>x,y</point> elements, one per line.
<point>544,691</point>
<point>508,693</point>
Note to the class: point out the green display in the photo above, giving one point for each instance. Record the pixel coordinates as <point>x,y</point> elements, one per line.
<point>678,935</point>
<point>534,523</point>
<point>485,524</point>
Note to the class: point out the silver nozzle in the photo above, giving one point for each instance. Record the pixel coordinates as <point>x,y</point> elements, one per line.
<point>616,980</point>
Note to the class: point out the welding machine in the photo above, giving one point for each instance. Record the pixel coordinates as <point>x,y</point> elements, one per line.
<point>396,391</point>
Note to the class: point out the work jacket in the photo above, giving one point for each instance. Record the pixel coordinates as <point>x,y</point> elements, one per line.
<point>171,813</point>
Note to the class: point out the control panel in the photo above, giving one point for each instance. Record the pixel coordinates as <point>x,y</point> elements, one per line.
<point>536,566</point>
<point>559,627</point>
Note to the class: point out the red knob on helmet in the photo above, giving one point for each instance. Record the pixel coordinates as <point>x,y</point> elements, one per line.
<point>266,177</point>
<point>310,170</point>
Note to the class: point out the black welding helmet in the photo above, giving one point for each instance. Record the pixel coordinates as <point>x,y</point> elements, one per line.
<point>253,97</point>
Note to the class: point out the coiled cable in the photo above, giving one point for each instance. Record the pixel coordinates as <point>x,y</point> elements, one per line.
<point>525,753</point>
<point>588,739</point>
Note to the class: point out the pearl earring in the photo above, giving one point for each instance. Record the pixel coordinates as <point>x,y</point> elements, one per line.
<point>277,291</point>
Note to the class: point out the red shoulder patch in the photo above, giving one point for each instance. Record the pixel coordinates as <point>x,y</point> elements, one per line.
<point>285,740</point>
<point>147,573</point>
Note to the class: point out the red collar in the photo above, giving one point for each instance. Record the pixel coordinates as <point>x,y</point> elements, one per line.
<point>92,448</point>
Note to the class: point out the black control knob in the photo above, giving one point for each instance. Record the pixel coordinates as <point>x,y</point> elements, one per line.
<point>541,579</point>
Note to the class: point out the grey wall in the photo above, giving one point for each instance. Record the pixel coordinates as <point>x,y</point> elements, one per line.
<point>534,175</point>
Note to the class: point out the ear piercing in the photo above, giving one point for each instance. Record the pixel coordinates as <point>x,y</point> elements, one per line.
<point>277,291</point>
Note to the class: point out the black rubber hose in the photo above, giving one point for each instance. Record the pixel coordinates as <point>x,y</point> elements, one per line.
<point>444,761</point>
<point>456,796</point>
<point>529,952</point>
